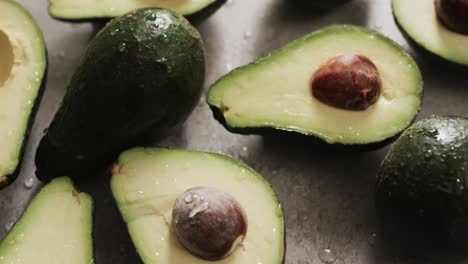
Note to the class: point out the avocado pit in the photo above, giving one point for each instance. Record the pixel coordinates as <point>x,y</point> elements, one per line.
<point>7,58</point>
<point>453,14</point>
<point>348,81</point>
<point>208,222</point>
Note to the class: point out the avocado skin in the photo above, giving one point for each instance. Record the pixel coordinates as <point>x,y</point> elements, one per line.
<point>143,72</point>
<point>422,186</point>
<point>280,132</point>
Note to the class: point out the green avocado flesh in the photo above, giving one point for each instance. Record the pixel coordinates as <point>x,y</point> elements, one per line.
<point>142,73</point>
<point>275,91</point>
<point>419,20</point>
<point>22,66</point>
<point>56,228</point>
<point>83,9</point>
<point>147,182</point>
<point>422,188</point>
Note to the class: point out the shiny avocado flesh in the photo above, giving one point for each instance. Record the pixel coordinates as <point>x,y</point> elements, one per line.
<point>85,9</point>
<point>22,67</point>
<point>418,18</point>
<point>143,73</point>
<point>147,182</point>
<point>422,188</point>
<point>275,91</point>
<point>55,228</point>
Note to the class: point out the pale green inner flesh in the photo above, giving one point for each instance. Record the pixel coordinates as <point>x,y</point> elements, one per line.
<point>55,229</point>
<point>93,8</point>
<point>276,92</point>
<point>6,53</point>
<point>22,60</point>
<point>147,182</point>
<point>419,20</point>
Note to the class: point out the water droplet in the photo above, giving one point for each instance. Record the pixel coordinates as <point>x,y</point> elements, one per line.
<point>245,148</point>
<point>163,38</point>
<point>372,239</point>
<point>188,198</point>
<point>247,35</point>
<point>378,25</point>
<point>122,46</point>
<point>199,209</point>
<point>29,102</point>
<point>60,54</point>
<point>28,183</point>
<point>229,67</point>
<point>8,226</point>
<point>113,32</point>
<point>327,256</point>
<point>151,17</point>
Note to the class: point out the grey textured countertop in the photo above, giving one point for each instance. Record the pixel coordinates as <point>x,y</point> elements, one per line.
<point>326,192</point>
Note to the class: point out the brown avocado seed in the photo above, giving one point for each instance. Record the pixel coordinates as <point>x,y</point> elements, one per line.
<point>349,82</point>
<point>453,14</point>
<point>208,222</point>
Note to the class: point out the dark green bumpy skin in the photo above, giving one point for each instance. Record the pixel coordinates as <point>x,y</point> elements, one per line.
<point>143,72</point>
<point>422,189</point>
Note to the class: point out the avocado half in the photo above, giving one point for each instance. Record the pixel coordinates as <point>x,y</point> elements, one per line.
<point>147,182</point>
<point>86,9</point>
<point>418,18</point>
<point>23,63</point>
<point>55,228</point>
<point>422,186</point>
<point>142,73</point>
<point>275,91</point>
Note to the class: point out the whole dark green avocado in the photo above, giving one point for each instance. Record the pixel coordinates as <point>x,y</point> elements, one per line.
<point>422,188</point>
<point>143,72</point>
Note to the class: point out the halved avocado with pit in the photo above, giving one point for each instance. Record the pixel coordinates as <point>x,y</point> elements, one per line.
<point>343,84</point>
<point>441,27</point>
<point>192,207</point>
<point>22,67</point>
<point>86,9</point>
<point>55,228</point>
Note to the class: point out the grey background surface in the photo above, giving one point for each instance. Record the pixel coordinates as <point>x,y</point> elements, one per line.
<point>326,192</point>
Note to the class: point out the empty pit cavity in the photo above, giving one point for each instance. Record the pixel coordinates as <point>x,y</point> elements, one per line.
<point>6,58</point>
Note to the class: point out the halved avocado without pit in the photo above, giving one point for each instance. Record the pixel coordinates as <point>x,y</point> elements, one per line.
<point>424,23</point>
<point>181,206</point>
<point>87,9</point>
<point>55,228</point>
<point>22,66</point>
<point>343,84</point>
